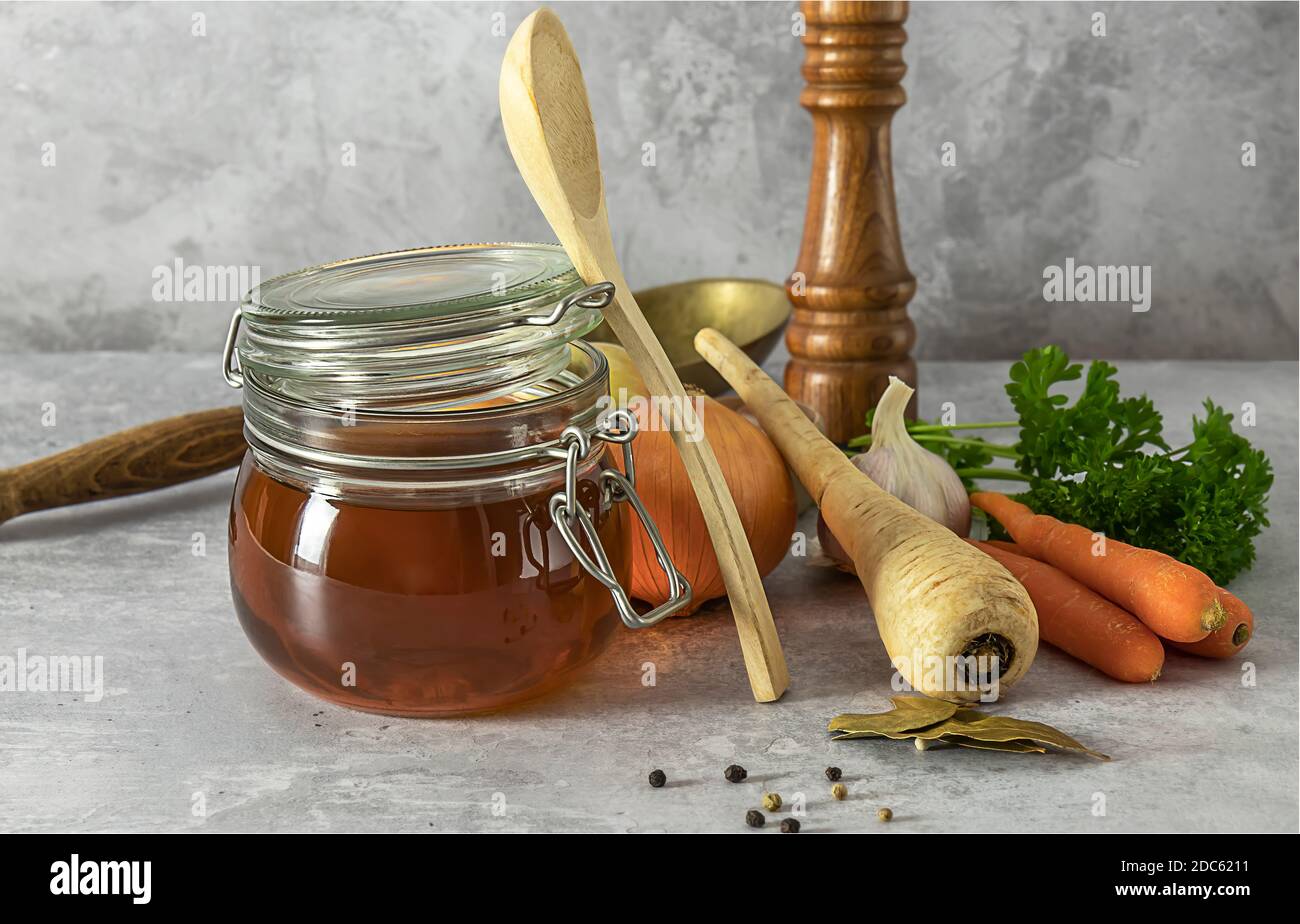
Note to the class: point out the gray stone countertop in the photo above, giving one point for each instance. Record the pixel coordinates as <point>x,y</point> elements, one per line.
<point>190,709</point>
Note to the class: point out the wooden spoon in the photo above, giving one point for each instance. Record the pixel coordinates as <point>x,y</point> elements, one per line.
<point>153,455</point>
<point>549,129</point>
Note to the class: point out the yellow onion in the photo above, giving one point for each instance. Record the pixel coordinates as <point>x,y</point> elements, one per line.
<point>625,382</point>
<point>759,482</point>
<point>802,500</point>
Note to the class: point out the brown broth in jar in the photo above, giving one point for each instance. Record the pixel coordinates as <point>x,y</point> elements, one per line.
<point>419,611</point>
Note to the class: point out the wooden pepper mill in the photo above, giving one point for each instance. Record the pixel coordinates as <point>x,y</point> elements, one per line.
<point>850,288</point>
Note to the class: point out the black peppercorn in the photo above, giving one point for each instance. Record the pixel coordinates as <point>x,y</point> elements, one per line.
<point>790,826</point>
<point>833,774</point>
<point>754,818</point>
<point>735,773</point>
<point>657,778</point>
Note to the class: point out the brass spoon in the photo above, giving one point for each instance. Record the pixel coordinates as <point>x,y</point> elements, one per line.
<point>750,312</point>
<point>549,129</point>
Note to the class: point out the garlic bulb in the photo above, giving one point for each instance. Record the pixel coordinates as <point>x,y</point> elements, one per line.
<point>916,476</point>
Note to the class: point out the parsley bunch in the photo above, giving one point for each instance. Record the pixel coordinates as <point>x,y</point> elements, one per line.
<point>1103,462</point>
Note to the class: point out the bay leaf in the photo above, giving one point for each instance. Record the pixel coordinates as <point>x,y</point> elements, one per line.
<point>893,736</point>
<point>1015,747</point>
<point>920,717</point>
<point>909,713</point>
<point>999,728</point>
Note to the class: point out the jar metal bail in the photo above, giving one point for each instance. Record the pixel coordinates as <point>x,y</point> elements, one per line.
<point>596,296</point>
<point>564,507</point>
<point>234,378</point>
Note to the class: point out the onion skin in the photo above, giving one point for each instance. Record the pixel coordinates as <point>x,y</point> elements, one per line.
<point>625,382</point>
<point>802,500</point>
<point>757,478</point>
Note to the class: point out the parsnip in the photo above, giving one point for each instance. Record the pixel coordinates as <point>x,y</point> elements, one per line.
<point>936,599</point>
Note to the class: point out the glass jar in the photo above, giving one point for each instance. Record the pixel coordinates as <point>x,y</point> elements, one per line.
<point>427,521</point>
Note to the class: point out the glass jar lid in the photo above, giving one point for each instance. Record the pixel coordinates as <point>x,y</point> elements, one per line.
<point>432,328</point>
<point>429,283</point>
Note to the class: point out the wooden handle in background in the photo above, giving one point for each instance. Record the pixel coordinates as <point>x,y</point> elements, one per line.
<point>153,455</point>
<point>850,287</point>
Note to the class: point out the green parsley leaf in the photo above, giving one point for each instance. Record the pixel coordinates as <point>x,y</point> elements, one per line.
<point>1102,462</point>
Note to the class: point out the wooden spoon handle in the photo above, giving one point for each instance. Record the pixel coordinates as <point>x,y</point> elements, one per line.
<point>759,644</point>
<point>548,125</point>
<point>150,456</point>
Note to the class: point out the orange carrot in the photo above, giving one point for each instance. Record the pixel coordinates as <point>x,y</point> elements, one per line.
<point>1082,623</point>
<point>1008,547</point>
<point>1229,638</point>
<point>1176,601</point>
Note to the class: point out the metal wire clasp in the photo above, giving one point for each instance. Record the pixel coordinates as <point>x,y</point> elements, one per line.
<point>619,427</point>
<point>598,296</point>
<point>229,368</point>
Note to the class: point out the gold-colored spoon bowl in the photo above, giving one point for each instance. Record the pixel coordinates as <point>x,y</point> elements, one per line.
<point>752,313</point>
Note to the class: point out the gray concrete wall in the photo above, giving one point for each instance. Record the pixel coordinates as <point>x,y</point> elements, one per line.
<point>227,149</point>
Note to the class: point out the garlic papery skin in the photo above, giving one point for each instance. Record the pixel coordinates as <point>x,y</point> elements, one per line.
<point>913,474</point>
